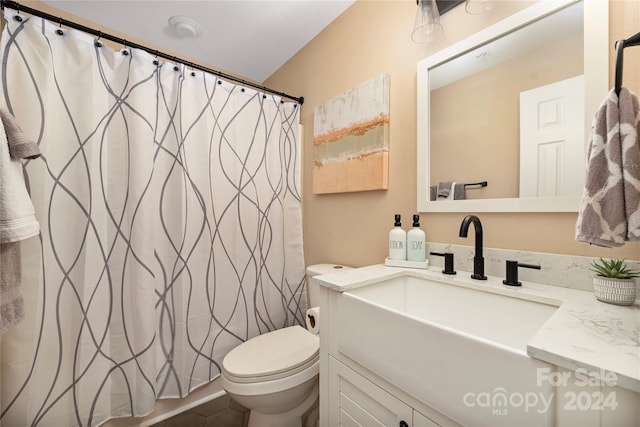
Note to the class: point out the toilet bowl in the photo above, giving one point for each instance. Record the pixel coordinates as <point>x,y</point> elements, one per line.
<point>275,374</point>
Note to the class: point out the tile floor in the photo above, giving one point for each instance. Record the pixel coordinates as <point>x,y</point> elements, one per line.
<point>220,412</point>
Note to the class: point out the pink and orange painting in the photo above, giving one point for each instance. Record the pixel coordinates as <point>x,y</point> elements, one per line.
<point>351,140</point>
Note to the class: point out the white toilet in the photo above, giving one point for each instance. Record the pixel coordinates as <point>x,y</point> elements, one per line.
<point>275,374</point>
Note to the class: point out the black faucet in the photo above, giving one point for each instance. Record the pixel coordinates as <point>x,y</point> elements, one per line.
<point>478,259</point>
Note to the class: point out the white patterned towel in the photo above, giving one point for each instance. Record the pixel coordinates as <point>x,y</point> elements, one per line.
<point>610,209</point>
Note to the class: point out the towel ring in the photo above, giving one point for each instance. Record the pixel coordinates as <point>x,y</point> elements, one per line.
<point>619,61</point>
<point>620,45</point>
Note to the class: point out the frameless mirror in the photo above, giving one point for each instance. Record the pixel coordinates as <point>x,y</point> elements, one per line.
<point>512,106</point>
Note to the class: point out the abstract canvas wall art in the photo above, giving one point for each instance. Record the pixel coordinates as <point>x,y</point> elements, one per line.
<point>351,140</point>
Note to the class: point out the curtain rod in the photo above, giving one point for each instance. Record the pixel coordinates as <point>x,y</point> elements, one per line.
<point>20,8</point>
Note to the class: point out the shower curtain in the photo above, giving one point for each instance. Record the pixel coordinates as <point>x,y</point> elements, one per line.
<point>170,216</point>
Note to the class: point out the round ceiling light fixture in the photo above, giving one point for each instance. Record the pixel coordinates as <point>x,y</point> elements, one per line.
<point>185,27</point>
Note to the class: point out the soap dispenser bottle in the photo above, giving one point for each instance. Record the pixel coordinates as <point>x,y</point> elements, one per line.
<point>416,248</point>
<point>397,241</point>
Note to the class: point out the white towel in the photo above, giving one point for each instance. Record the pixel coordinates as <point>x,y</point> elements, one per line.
<point>17,216</point>
<point>610,209</point>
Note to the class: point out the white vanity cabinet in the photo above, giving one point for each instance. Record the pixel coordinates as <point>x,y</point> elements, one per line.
<point>356,401</point>
<point>382,366</point>
<point>352,395</point>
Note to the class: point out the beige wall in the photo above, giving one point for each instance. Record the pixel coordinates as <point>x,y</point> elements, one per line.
<point>373,37</point>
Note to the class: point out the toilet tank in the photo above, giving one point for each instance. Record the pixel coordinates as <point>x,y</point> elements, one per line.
<point>313,299</point>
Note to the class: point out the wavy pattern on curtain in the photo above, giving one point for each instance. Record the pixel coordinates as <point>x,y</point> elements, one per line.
<point>169,206</point>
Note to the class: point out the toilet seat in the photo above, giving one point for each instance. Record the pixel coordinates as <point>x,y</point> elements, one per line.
<point>272,356</point>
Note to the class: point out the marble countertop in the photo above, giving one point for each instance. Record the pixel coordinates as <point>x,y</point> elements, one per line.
<point>583,333</point>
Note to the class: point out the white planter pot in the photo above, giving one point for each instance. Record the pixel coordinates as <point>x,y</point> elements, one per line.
<point>615,291</point>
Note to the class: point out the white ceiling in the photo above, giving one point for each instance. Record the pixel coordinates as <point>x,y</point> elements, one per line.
<point>248,38</point>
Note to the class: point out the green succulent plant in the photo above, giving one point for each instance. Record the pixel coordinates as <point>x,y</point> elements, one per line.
<point>613,268</point>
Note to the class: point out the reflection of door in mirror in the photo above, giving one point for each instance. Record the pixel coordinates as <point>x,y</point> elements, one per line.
<point>552,155</point>
<point>474,121</point>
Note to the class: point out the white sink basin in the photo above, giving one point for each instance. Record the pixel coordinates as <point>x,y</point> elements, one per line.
<point>459,350</point>
<point>494,317</point>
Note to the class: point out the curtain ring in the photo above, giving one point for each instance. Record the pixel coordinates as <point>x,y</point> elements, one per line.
<point>59,30</point>
<point>98,43</point>
<point>17,17</point>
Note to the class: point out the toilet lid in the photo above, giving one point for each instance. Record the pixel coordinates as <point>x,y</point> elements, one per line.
<point>272,354</point>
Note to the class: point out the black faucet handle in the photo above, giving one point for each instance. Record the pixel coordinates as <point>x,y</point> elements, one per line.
<point>512,272</point>
<point>448,262</point>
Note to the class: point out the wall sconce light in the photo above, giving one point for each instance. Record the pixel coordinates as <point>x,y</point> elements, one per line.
<point>427,28</point>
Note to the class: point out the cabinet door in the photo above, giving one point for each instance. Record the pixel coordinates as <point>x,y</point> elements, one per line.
<point>356,401</point>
